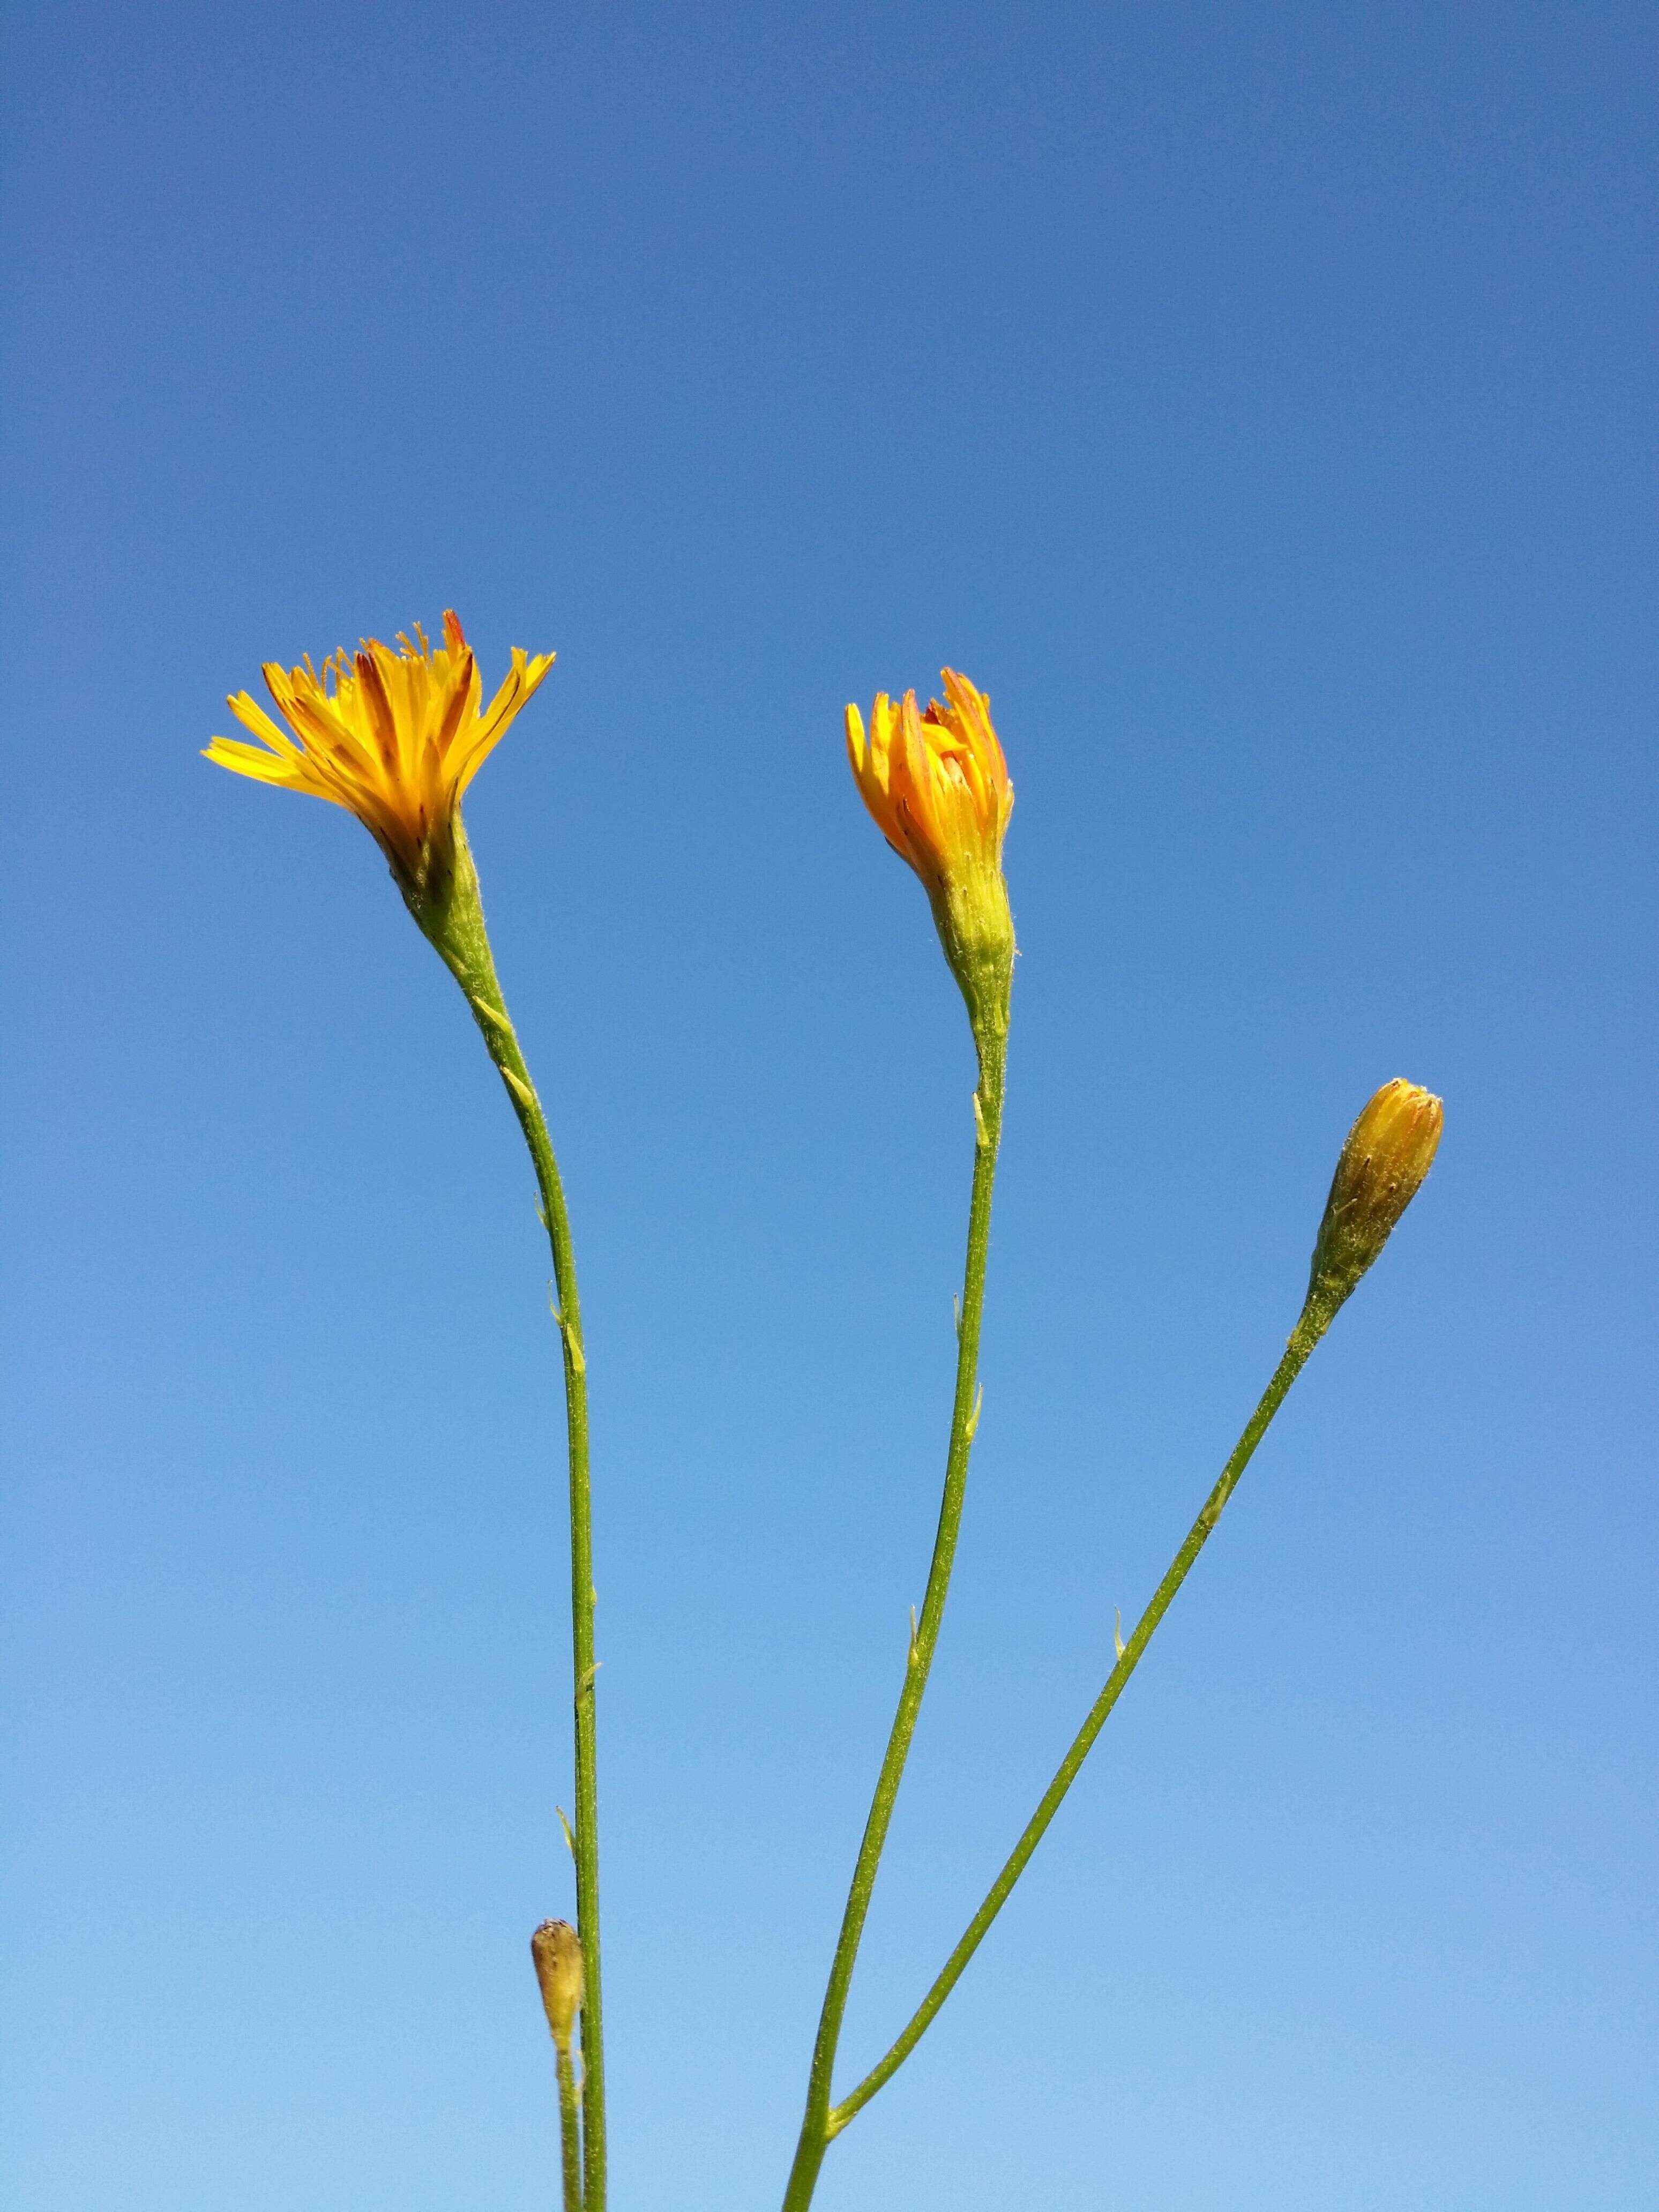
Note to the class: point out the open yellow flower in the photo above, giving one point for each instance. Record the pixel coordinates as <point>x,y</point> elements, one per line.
<point>395,737</point>
<point>936,787</point>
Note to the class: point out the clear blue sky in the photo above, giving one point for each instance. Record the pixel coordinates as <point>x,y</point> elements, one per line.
<point>1258,401</point>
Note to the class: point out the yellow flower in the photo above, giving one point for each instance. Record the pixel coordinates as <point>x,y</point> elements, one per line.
<point>395,737</point>
<point>1390,1150</point>
<point>937,783</point>
<point>936,787</point>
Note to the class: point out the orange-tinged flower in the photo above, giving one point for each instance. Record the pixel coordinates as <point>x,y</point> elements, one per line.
<point>395,737</point>
<point>937,785</point>
<point>1390,1152</point>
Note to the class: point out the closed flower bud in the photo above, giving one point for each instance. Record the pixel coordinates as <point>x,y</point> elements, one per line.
<point>1390,1149</point>
<point>557,1951</point>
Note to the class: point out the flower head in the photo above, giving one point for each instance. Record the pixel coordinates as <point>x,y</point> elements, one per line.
<point>936,787</point>
<point>1390,1149</point>
<point>395,737</point>
<point>556,1951</point>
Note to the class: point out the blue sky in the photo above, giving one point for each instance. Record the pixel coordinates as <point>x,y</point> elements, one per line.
<point>1257,401</point>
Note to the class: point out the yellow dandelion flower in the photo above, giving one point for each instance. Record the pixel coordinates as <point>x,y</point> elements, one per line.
<point>1390,1152</point>
<point>936,787</point>
<point>394,736</point>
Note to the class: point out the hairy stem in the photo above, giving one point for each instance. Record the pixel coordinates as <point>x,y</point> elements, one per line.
<point>1307,1332</point>
<point>455,926</point>
<point>818,2126</point>
<point>570,2129</point>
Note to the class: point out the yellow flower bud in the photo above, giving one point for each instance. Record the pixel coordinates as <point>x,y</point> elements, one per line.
<point>936,787</point>
<point>557,1949</point>
<point>1390,1149</point>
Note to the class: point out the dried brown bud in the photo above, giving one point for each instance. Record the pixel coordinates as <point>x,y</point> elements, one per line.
<point>1390,1149</point>
<point>557,1951</point>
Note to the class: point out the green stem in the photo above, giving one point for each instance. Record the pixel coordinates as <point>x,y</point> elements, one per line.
<point>454,922</point>
<point>817,2127</point>
<point>570,2129</point>
<point>1309,1330</point>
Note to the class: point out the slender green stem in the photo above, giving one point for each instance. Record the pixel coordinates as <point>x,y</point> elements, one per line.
<point>1307,1334</point>
<point>457,931</point>
<point>816,2126</point>
<point>570,2129</point>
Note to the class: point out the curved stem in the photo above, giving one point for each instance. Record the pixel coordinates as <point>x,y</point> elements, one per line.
<point>1307,1332</point>
<point>455,929</point>
<point>817,2126</point>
